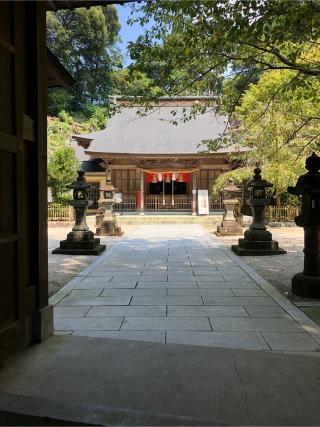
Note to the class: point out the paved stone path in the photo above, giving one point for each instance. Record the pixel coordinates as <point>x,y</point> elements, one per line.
<point>178,284</point>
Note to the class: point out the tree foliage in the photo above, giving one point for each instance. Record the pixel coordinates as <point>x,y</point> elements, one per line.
<point>131,82</point>
<point>209,38</point>
<point>62,169</point>
<point>84,41</point>
<point>62,161</point>
<point>260,58</point>
<point>278,123</point>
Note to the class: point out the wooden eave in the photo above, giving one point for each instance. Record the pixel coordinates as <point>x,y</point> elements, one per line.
<point>54,5</point>
<point>100,155</point>
<point>57,75</point>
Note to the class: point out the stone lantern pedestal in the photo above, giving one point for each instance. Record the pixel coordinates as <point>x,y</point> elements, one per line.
<point>229,225</point>
<point>307,283</point>
<point>106,220</point>
<point>80,241</point>
<point>257,239</point>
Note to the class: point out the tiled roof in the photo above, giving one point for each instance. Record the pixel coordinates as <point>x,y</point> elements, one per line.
<point>129,133</point>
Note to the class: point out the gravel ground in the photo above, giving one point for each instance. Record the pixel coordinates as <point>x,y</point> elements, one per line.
<point>277,269</point>
<point>63,268</point>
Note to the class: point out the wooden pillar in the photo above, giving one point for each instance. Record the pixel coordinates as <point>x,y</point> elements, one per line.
<point>194,193</point>
<point>141,192</point>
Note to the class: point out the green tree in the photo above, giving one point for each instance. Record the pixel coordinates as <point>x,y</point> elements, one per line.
<point>278,123</point>
<point>62,170</point>
<point>58,100</point>
<point>240,38</point>
<point>62,162</point>
<point>133,82</point>
<point>84,41</point>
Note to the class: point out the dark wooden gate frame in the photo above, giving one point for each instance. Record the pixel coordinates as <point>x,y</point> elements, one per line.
<point>25,315</point>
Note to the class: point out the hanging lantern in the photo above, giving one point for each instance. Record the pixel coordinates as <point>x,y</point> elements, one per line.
<point>180,177</point>
<point>154,179</point>
<point>174,177</point>
<point>159,177</point>
<point>168,179</point>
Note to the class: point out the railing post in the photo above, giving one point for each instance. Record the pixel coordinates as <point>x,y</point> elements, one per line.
<point>194,194</point>
<point>141,192</point>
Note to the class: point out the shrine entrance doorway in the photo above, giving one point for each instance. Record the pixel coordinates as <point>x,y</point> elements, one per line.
<point>168,192</point>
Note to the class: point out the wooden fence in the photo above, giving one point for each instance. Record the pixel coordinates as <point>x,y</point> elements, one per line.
<point>60,212</point>
<point>282,213</point>
<point>128,204</point>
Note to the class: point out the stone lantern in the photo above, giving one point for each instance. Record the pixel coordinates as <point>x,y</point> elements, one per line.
<point>229,225</point>
<point>80,241</point>
<point>106,219</point>
<point>257,239</point>
<point>307,283</point>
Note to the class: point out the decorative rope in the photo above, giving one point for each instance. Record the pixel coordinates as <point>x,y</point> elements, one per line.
<point>164,171</point>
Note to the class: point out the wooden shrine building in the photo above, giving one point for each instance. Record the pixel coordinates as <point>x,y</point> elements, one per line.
<point>155,165</point>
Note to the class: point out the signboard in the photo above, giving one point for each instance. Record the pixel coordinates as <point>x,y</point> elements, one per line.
<point>118,197</point>
<point>203,202</point>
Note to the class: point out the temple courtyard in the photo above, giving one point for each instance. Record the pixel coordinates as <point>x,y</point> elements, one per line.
<point>169,327</point>
<point>181,284</point>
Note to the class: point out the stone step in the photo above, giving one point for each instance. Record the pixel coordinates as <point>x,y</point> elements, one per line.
<point>163,219</point>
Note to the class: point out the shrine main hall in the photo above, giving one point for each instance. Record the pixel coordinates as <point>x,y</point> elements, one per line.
<point>156,165</point>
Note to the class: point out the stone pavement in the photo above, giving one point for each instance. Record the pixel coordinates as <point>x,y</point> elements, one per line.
<point>177,284</point>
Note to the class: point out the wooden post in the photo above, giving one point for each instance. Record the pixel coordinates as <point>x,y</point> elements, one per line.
<point>194,194</point>
<point>141,192</point>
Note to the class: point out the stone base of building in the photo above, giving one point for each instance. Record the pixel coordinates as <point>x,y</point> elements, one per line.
<point>229,228</point>
<point>306,286</point>
<point>109,228</point>
<point>80,247</point>
<point>247,248</point>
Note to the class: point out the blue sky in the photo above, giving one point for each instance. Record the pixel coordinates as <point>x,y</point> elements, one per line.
<point>128,33</point>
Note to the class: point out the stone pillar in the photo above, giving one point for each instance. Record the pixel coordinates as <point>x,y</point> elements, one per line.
<point>141,192</point>
<point>194,194</point>
<point>307,283</point>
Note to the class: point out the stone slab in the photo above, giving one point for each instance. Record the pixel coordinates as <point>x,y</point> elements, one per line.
<point>71,302</point>
<point>166,324</point>
<point>208,300</point>
<point>211,278</point>
<point>280,341</point>
<point>227,285</point>
<point>168,300</point>
<point>142,292</point>
<point>200,292</point>
<point>159,285</point>
<point>105,311</point>
<point>153,277</point>
<point>79,293</point>
<point>96,279</point>
<point>87,324</point>
<point>148,336</point>
<point>251,324</point>
<point>232,311</point>
<point>243,340</point>
<point>70,311</point>
<point>249,292</point>
<point>261,311</point>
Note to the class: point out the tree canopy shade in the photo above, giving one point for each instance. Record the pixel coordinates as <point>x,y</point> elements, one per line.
<point>261,58</point>
<point>84,41</point>
<point>211,38</point>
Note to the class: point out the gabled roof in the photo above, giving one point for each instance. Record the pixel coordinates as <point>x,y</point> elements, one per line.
<point>129,133</point>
